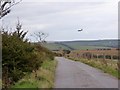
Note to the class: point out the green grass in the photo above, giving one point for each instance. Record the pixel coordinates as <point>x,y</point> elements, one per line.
<point>26,84</point>
<point>111,67</point>
<point>45,77</point>
<point>78,47</point>
<point>53,46</point>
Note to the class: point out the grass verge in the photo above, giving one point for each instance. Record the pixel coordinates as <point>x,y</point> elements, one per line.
<point>111,67</point>
<point>44,79</point>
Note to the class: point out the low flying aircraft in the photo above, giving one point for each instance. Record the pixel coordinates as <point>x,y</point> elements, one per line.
<point>80,30</point>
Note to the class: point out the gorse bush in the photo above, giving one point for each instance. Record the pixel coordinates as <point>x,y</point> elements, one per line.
<point>20,57</point>
<point>46,53</point>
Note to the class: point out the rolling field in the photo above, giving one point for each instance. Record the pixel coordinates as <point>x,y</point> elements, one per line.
<point>53,46</point>
<point>82,45</point>
<point>78,47</point>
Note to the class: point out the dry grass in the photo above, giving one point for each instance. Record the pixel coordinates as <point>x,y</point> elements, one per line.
<point>44,79</point>
<point>111,67</point>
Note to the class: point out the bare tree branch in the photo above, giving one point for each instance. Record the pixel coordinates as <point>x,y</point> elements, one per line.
<point>40,36</point>
<point>5,6</point>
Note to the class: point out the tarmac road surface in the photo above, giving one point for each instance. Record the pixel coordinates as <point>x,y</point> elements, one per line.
<point>72,74</point>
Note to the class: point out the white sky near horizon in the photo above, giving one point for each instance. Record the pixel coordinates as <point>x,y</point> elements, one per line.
<point>62,18</point>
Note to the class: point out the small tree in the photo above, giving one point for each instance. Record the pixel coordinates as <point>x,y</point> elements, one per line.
<point>40,36</point>
<point>19,32</point>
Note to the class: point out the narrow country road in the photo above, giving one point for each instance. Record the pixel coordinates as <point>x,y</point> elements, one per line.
<point>71,74</point>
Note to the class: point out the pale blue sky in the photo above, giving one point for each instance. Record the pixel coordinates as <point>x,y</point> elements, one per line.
<point>61,20</point>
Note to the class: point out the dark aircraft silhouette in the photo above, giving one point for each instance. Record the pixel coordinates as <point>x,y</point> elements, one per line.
<point>80,30</point>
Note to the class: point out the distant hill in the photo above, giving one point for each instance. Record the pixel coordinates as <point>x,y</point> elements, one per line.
<point>82,44</point>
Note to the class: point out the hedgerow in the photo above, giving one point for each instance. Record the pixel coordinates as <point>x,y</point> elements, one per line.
<point>20,57</point>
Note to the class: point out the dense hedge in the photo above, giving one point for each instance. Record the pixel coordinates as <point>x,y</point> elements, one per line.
<point>20,57</point>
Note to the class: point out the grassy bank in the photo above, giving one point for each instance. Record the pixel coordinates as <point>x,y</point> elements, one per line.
<point>44,79</point>
<point>111,67</point>
<point>20,57</point>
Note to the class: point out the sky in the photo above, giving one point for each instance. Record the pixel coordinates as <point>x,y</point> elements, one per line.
<point>61,19</point>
